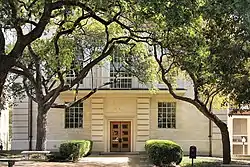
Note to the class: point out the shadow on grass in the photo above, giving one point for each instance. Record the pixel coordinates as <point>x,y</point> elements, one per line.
<point>208,162</point>
<point>203,164</point>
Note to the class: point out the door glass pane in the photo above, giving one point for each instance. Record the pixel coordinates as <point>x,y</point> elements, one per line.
<point>125,139</point>
<point>115,126</point>
<point>115,138</point>
<point>124,132</point>
<point>115,132</point>
<point>115,145</point>
<point>124,145</point>
<point>125,126</point>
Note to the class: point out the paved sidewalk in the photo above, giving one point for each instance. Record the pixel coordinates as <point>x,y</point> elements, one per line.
<point>98,161</point>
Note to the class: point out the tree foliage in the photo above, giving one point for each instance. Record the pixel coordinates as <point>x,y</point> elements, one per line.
<point>55,37</point>
<point>30,20</point>
<point>208,41</point>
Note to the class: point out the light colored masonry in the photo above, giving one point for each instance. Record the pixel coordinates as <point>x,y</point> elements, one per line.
<point>4,128</point>
<point>133,112</point>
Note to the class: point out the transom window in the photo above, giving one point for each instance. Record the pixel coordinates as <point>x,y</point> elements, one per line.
<point>166,115</point>
<point>74,116</point>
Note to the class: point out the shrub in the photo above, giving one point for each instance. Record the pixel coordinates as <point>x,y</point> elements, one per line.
<point>73,150</point>
<point>163,152</point>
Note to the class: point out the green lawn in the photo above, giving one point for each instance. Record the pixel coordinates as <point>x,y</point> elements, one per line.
<point>206,162</point>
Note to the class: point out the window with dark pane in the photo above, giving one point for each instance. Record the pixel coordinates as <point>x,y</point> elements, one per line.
<point>73,73</point>
<point>74,116</point>
<point>166,115</point>
<point>118,72</point>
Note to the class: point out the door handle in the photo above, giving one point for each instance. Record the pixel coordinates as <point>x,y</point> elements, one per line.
<point>120,140</point>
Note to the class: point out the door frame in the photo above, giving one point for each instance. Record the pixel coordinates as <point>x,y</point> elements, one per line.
<point>132,133</point>
<point>121,123</point>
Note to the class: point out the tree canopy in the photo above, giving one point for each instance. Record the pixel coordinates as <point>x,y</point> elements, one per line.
<point>30,20</point>
<point>52,37</point>
<point>208,42</point>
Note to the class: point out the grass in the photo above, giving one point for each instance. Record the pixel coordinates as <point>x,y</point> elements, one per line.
<point>207,162</point>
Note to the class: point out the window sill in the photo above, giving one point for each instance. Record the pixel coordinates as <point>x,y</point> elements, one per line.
<point>69,129</point>
<point>169,129</point>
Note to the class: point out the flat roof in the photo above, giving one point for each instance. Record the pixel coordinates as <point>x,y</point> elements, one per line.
<point>239,112</point>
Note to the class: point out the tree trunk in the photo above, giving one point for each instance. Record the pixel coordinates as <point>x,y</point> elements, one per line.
<point>223,129</point>
<point>3,76</point>
<point>225,143</point>
<point>224,134</point>
<point>6,63</point>
<point>41,128</point>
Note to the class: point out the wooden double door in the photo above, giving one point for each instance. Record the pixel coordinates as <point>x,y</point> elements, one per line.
<point>120,136</point>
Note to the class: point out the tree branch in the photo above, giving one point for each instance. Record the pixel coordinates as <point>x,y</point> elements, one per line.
<point>2,42</point>
<point>45,85</point>
<point>93,91</point>
<point>106,51</point>
<point>196,102</point>
<point>24,40</point>
<point>37,66</point>
<point>27,90</point>
<point>28,21</point>
<point>25,72</point>
<point>15,22</point>
<point>51,97</point>
<point>68,31</point>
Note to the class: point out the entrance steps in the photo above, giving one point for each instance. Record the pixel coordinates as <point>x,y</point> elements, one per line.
<point>119,153</point>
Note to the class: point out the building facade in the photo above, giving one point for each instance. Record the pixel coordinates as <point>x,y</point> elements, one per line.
<point>239,129</point>
<point>4,129</point>
<point>119,117</point>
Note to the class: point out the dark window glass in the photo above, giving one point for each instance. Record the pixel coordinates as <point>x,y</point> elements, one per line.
<point>74,116</point>
<point>166,115</point>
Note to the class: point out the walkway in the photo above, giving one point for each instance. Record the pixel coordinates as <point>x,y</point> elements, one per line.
<point>97,161</point>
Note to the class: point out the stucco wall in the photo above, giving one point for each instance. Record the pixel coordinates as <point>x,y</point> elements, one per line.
<point>4,128</point>
<point>191,126</point>
<point>56,133</point>
<point>138,107</point>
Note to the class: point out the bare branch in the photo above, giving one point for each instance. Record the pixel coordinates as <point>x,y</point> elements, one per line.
<point>93,91</point>
<point>211,96</point>
<point>38,69</point>
<point>23,4</point>
<point>77,90</point>
<point>210,104</point>
<point>27,90</point>
<point>15,23</point>
<point>52,96</point>
<point>2,42</point>
<point>28,21</point>
<point>32,3</point>
<point>52,84</point>
<point>45,85</point>
<point>25,72</point>
<point>24,40</point>
<point>169,85</point>
<point>68,31</point>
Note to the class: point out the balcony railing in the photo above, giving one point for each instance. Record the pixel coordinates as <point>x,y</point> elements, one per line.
<point>121,83</point>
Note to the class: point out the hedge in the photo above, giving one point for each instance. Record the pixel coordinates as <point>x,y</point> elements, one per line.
<point>163,152</point>
<point>73,150</point>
